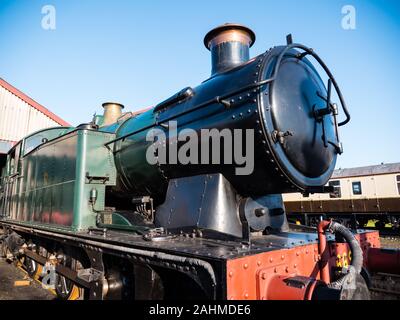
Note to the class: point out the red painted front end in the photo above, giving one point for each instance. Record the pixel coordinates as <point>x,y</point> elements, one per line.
<point>262,276</point>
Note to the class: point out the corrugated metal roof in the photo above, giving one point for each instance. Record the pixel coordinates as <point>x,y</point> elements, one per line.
<point>20,115</point>
<point>32,103</point>
<point>384,168</point>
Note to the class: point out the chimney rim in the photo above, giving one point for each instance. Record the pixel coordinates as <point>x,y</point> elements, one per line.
<point>225,27</point>
<point>113,103</point>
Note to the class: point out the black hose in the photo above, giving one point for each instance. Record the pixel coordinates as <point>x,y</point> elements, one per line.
<point>357,254</point>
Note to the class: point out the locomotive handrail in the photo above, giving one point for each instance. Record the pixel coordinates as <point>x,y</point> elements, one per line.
<point>217,99</point>
<point>176,98</point>
<point>310,51</point>
<point>222,99</point>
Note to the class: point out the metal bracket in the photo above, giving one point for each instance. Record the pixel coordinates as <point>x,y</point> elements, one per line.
<point>279,136</point>
<point>91,178</point>
<point>289,39</point>
<point>90,275</point>
<point>95,274</point>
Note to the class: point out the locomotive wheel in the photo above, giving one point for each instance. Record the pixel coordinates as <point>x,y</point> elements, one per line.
<point>3,250</point>
<point>65,288</point>
<point>30,266</point>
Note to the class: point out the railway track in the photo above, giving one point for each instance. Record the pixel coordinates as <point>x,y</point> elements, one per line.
<point>385,286</point>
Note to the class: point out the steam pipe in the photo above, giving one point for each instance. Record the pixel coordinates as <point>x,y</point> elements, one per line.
<point>323,252</point>
<point>357,254</point>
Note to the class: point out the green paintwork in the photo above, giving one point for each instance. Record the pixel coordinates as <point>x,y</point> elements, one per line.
<point>130,157</point>
<point>119,222</point>
<point>98,119</point>
<point>45,180</point>
<point>37,138</point>
<point>50,186</point>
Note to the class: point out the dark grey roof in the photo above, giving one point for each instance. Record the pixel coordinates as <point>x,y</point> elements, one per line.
<point>367,171</point>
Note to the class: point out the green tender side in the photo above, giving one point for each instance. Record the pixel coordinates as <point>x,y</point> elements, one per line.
<point>51,184</point>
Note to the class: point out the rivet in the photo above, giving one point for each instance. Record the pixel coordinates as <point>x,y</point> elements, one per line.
<point>297,253</point>
<point>270,260</point>
<point>245,266</point>
<point>246,295</point>
<point>259,263</point>
<point>282,257</point>
<point>287,269</point>
<point>295,265</point>
<point>275,270</point>
<point>264,276</point>
<point>230,274</point>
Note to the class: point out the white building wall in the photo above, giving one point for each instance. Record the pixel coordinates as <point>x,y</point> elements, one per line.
<point>18,118</point>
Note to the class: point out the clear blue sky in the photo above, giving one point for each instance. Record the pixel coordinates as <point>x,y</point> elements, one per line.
<point>139,53</point>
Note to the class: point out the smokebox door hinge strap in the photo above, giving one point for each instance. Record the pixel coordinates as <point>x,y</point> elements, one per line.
<point>224,102</point>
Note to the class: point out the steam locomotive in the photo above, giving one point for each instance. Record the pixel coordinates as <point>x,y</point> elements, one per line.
<point>87,203</point>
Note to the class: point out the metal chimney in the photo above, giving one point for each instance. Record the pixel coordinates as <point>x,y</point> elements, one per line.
<point>112,111</point>
<point>229,45</point>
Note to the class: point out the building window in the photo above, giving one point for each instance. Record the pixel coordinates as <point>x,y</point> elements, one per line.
<point>398,183</point>
<point>357,187</point>
<point>336,189</point>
